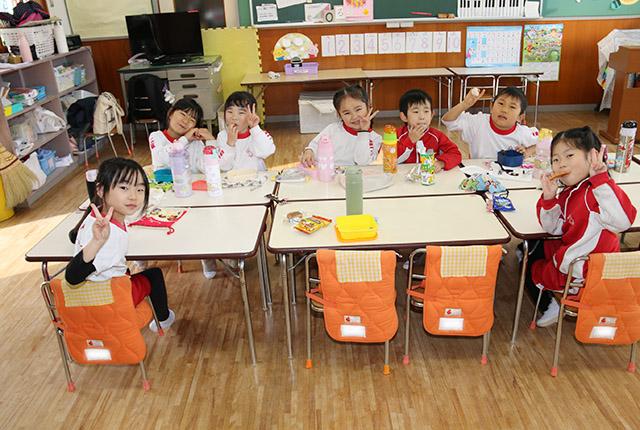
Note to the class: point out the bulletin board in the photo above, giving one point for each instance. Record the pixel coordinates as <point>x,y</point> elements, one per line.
<point>92,19</point>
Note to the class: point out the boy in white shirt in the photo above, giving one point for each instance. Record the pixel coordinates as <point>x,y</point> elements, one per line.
<point>243,144</point>
<point>486,134</point>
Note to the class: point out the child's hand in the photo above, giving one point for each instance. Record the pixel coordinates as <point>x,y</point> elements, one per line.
<point>204,134</point>
<point>416,132</point>
<point>232,135</point>
<point>191,135</point>
<point>597,161</point>
<point>549,187</point>
<point>307,158</point>
<point>439,165</point>
<point>101,227</point>
<point>365,122</point>
<point>253,119</point>
<point>472,97</point>
<point>521,149</point>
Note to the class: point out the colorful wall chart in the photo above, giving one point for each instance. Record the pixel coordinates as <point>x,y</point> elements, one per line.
<point>541,47</point>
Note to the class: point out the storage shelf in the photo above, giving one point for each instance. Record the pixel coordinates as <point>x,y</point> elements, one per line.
<point>45,100</point>
<point>76,87</point>
<point>43,139</point>
<point>54,178</point>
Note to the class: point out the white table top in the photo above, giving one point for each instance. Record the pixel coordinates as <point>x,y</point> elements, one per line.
<point>495,71</point>
<point>631,176</point>
<point>224,232</point>
<point>402,223</point>
<point>407,73</point>
<point>504,179</point>
<point>241,196</point>
<point>323,75</point>
<point>523,222</point>
<point>447,182</point>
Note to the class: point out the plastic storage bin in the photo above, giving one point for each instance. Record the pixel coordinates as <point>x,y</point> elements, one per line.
<point>47,160</point>
<point>316,111</point>
<point>303,69</point>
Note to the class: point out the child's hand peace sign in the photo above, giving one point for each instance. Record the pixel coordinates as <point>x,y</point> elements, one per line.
<point>365,122</point>
<point>253,119</point>
<point>101,227</point>
<point>597,165</point>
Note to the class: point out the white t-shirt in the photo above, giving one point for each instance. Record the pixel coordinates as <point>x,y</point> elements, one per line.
<point>249,152</point>
<point>349,146</point>
<point>160,144</point>
<point>110,260</point>
<point>485,140</point>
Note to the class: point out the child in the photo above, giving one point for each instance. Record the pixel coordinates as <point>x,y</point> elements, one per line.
<point>243,144</point>
<point>416,135</point>
<point>101,237</point>
<point>587,213</point>
<point>353,139</point>
<point>502,129</point>
<point>184,130</point>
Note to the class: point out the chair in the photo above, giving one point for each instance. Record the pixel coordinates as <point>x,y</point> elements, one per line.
<point>357,295</point>
<point>457,292</point>
<point>98,324</point>
<point>480,82</point>
<point>145,102</point>
<point>107,121</point>
<point>609,308</point>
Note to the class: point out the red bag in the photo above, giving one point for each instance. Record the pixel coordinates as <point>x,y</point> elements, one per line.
<point>161,217</point>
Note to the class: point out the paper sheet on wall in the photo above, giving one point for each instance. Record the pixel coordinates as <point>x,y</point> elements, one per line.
<point>439,41</point>
<point>385,43</point>
<point>411,42</point>
<point>357,44</point>
<point>425,43</point>
<point>497,46</point>
<point>328,44</point>
<point>541,47</point>
<point>266,12</point>
<point>342,44</point>
<point>314,12</point>
<point>453,41</point>
<point>371,43</point>
<point>287,3</point>
<point>398,42</point>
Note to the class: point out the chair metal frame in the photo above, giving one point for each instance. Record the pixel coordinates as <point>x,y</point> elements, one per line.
<point>486,338</point>
<point>309,362</point>
<point>631,367</point>
<point>47,294</point>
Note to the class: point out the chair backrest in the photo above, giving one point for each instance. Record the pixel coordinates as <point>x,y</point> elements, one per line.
<point>459,289</point>
<point>609,307</point>
<point>107,115</point>
<point>100,323</point>
<point>145,98</point>
<point>358,288</point>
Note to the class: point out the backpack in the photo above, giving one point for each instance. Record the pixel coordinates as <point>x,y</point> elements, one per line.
<point>107,115</point>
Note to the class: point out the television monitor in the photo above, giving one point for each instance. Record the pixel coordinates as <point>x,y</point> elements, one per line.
<point>159,35</point>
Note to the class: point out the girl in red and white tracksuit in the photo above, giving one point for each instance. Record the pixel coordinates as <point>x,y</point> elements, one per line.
<point>587,214</point>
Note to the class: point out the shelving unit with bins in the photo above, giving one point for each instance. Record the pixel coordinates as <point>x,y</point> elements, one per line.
<point>41,72</point>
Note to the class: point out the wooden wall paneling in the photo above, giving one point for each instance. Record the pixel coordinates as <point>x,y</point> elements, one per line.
<point>108,56</point>
<point>578,67</point>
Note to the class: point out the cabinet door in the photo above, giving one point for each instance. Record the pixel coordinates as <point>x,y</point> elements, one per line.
<point>204,97</point>
<point>180,73</point>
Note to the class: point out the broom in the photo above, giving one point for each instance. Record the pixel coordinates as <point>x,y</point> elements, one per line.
<point>17,179</point>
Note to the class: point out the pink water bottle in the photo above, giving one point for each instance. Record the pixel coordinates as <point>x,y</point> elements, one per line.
<point>325,164</point>
<point>25,49</point>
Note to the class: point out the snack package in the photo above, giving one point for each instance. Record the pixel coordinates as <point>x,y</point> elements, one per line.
<point>312,224</point>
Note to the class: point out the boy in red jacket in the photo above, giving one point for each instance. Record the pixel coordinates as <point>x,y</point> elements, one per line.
<point>416,136</point>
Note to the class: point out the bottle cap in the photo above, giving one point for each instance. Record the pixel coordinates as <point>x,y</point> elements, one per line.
<point>630,124</point>
<point>389,133</point>
<point>544,133</point>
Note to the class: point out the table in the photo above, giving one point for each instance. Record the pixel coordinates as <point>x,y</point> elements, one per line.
<point>404,223</point>
<point>447,182</point>
<point>523,224</point>
<point>262,80</point>
<point>437,73</point>
<point>495,73</point>
<point>189,242</point>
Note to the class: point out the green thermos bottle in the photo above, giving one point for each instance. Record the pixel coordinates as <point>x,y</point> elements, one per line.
<point>353,181</point>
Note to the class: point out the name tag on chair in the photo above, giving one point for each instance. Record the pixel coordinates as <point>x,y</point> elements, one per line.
<point>352,330</point>
<point>451,324</point>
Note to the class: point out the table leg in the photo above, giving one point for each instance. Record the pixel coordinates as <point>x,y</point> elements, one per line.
<point>285,302</point>
<point>292,277</point>
<point>45,271</point>
<point>523,271</point>
<point>247,312</point>
<point>265,270</point>
<point>263,290</point>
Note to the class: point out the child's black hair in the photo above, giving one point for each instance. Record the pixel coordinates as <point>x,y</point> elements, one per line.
<point>414,97</point>
<point>242,99</point>
<point>582,138</point>
<point>112,172</point>
<point>514,93</point>
<point>190,107</point>
<point>353,91</point>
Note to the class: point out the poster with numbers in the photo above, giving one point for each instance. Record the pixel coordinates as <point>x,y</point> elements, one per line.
<point>493,46</point>
<point>541,49</point>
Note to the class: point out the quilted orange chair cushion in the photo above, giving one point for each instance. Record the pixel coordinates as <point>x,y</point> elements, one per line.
<point>609,309</point>
<point>100,323</point>
<point>358,311</point>
<point>459,289</point>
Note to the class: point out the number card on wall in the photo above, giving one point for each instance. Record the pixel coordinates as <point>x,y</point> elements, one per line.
<point>493,46</point>
<point>357,44</point>
<point>342,44</point>
<point>371,43</point>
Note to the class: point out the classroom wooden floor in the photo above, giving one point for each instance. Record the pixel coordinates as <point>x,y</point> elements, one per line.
<point>202,376</point>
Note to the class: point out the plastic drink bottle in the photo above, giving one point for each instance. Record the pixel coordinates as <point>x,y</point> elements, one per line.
<point>326,168</point>
<point>624,152</point>
<point>25,49</point>
<point>389,150</point>
<point>181,172</point>
<point>353,182</point>
<point>212,171</point>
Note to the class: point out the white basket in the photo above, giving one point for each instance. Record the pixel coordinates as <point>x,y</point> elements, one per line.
<point>41,36</point>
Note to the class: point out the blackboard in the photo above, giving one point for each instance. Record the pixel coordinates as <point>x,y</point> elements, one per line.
<point>570,8</point>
